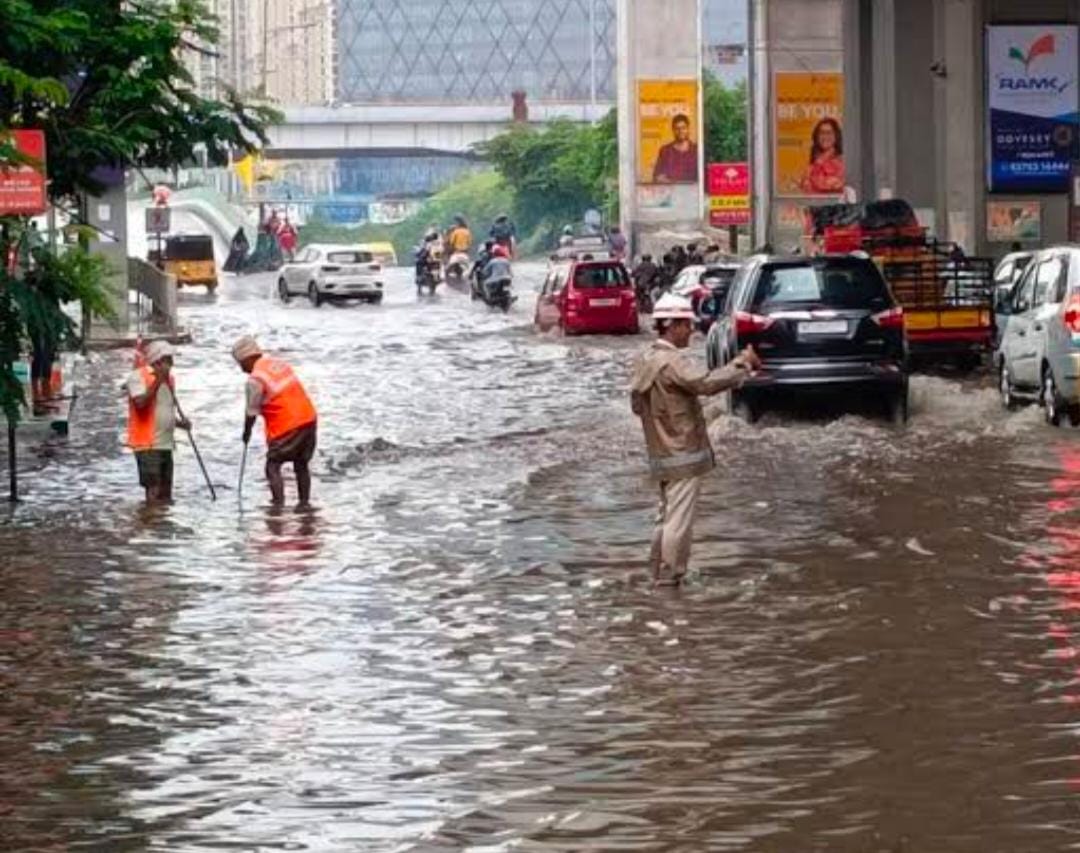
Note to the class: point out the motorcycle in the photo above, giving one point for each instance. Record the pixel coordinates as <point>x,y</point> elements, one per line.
<point>457,268</point>
<point>429,272</point>
<point>497,294</point>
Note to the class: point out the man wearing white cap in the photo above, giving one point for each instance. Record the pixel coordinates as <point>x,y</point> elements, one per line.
<point>275,392</point>
<point>665,389</point>
<point>152,421</point>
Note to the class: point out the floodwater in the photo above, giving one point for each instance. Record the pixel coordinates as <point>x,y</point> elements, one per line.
<point>459,649</point>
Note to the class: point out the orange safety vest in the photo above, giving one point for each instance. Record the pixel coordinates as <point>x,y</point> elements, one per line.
<point>285,404</point>
<point>141,421</point>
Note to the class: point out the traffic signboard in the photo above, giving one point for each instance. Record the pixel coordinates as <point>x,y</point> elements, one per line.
<point>22,187</point>
<point>158,220</point>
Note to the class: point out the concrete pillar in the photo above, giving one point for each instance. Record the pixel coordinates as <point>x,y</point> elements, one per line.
<point>107,214</point>
<point>657,40</point>
<point>961,122</point>
<point>761,129</point>
<point>858,104</point>
<point>883,98</point>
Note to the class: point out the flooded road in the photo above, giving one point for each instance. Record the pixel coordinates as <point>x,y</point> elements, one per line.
<point>459,650</point>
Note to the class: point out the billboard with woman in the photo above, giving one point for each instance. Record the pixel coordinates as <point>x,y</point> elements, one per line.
<point>808,115</point>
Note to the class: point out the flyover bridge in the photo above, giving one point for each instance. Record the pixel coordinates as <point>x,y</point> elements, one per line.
<point>407,129</point>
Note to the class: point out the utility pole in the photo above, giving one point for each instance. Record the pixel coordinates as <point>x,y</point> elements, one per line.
<point>592,59</point>
<point>265,44</point>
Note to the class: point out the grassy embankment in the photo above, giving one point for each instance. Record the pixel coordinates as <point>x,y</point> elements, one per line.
<point>478,197</point>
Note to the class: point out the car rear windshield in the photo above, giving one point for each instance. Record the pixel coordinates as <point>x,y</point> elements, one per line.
<point>349,257</point>
<point>189,249</point>
<point>606,275</point>
<point>836,284</point>
<point>718,277</point>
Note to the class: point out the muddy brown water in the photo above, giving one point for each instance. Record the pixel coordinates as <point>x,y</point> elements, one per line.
<point>458,649</point>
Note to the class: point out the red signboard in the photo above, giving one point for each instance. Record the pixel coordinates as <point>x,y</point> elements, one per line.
<point>22,188</point>
<point>728,186</point>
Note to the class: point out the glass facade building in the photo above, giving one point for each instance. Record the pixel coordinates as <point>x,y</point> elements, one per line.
<point>475,51</point>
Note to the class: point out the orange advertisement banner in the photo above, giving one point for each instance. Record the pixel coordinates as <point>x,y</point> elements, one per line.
<point>809,134</point>
<point>668,132</point>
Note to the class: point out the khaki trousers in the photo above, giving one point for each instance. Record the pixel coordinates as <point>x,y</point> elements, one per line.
<point>674,529</point>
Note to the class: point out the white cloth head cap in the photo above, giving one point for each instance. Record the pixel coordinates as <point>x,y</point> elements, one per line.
<point>245,348</point>
<point>159,350</point>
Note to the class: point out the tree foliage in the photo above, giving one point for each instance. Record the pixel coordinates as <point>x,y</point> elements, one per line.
<point>725,121</point>
<point>106,81</point>
<point>558,172</point>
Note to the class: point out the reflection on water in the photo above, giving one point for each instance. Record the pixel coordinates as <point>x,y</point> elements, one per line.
<point>458,648</point>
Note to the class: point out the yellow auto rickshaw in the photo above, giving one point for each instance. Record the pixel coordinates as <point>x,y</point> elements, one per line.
<point>190,257</point>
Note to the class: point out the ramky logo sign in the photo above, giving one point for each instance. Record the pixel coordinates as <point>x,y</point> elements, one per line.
<point>1049,84</point>
<point>1041,47</point>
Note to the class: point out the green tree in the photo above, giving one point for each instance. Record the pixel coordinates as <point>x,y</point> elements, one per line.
<point>106,81</point>
<point>725,121</point>
<point>558,172</point>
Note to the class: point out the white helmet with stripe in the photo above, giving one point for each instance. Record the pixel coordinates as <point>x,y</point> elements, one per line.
<point>673,307</point>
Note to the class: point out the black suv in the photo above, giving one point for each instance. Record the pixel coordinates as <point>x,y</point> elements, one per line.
<point>818,324</point>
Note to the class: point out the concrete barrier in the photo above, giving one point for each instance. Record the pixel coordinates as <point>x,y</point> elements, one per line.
<point>159,287</point>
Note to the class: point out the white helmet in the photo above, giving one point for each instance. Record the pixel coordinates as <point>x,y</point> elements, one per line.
<point>673,307</point>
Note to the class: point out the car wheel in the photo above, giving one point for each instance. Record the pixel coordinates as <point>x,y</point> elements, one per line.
<point>376,300</point>
<point>314,295</point>
<point>744,406</point>
<point>1051,400</point>
<point>1074,415</point>
<point>896,407</point>
<point>1008,399</point>
<point>283,290</point>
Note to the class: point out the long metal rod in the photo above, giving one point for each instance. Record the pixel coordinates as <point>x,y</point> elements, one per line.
<point>13,471</point>
<point>198,456</point>
<point>240,483</point>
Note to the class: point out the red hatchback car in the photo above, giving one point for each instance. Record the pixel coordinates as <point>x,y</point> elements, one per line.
<point>588,297</point>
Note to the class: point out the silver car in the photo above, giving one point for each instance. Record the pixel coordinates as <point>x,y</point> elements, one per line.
<point>1039,357</point>
<point>324,272</point>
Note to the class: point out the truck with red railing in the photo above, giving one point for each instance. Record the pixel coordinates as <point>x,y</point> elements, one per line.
<point>947,296</point>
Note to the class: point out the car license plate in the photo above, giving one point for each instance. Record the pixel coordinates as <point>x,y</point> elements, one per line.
<point>603,303</point>
<point>823,327</point>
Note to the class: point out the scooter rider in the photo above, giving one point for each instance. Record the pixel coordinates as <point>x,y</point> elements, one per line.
<point>497,269</point>
<point>476,274</point>
<point>425,254</point>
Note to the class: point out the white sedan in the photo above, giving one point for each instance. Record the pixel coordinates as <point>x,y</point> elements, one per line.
<point>324,272</point>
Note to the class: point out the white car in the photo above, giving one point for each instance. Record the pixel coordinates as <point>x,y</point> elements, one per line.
<point>324,272</point>
<point>1039,357</point>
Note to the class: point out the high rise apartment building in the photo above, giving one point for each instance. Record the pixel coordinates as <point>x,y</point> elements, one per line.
<point>284,48</point>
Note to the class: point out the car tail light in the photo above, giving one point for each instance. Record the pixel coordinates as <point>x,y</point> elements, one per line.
<point>331,269</point>
<point>751,324</point>
<point>891,319</point>
<point>1072,314</point>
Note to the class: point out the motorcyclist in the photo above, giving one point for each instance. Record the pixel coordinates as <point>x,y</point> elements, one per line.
<point>476,274</point>
<point>645,275</point>
<point>497,269</point>
<point>459,238</point>
<point>567,238</point>
<point>426,253</point>
<point>504,232</point>
<point>617,243</point>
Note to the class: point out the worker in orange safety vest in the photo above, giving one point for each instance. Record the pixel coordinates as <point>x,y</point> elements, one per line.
<point>152,421</point>
<point>275,392</point>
